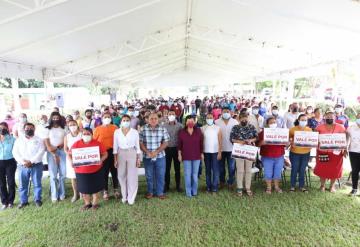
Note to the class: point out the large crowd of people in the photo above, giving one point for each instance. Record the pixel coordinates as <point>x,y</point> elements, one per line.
<point>118,138</point>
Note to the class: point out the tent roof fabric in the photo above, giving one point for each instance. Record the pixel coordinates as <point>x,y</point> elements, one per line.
<point>134,41</point>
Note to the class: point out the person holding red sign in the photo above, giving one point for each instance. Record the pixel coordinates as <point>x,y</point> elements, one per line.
<point>244,134</point>
<point>329,162</point>
<point>89,177</point>
<point>299,156</point>
<point>272,158</point>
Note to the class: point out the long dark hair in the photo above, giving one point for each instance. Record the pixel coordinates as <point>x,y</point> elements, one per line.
<point>187,118</point>
<point>51,122</point>
<point>297,121</point>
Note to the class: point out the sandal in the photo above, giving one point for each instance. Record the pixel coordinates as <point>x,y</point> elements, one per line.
<point>322,188</point>
<point>106,196</point>
<point>332,190</point>
<point>304,190</point>
<point>239,192</point>
<point>117,194</point>
<point>268,191</point>
<point>292,190</point>
<point>249,193</point>
<point>85,207</point>
<point>278,190</point>
<point>95,207</point>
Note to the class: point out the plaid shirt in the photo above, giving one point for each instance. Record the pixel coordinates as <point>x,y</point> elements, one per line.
<point>153,138</point>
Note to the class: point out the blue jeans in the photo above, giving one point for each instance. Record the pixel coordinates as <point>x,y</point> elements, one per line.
<point>35,172</point>
<point>226,157</point>
<point>57,183</point>
<point>191,172</point>
<point>272,167</point>
<point>212,171</point>
<point>299,162</point>
<point>155,175</point>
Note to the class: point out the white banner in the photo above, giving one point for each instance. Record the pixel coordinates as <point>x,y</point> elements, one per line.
<point>277,136</point>
<point>335,141</point>
<point>306,139</point>
<point>245,152</point>
<point>86,156</point>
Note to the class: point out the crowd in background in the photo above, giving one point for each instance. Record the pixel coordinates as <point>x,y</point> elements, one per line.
<point>161,133</point>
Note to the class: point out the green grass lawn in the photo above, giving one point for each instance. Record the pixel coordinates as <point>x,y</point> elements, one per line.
<point>313,219</point>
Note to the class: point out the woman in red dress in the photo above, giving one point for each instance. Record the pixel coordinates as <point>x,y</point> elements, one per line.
<point>329,162</point>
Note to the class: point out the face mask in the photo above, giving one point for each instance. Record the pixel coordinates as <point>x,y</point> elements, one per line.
<point>125,124</point>
<point>338,110</point>
<point>302,123</point>
<point>29,133</point>
<point>42,122</point>
<point>309,111</point>
<point>226,115</point>
<point>273,126</point>
<point>97,115</point>
<point>136,113</point>
<point>88,116</point>
<point>73,128</point>
<point>106,121</point>
<point>87,138</point>
<point>295,109</point>
<point>191,125</point>
<point>329,121</point>
<point>131,113</point>
<point>275,112</point>
<point>56,122</point>
<point>243,123</point>
<point>75,117</point>
<point>209,122</point>
<point>23,119</point>
<point>255,111</point>
<point>358,121</point>
<point>4,132</point>
<point>171,118</point>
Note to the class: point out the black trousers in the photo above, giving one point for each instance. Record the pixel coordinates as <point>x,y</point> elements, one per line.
<point>172,156</point>
<point>355,168</point>
<point>109,167</point>
<point>7,181</point>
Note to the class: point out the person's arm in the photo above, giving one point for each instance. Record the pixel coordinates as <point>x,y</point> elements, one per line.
<point>103,157</point>
<point>16,152</point>
<point>49,147</point>
<point>180,146</point>
<point>219,144</point>
<point>66,148</point>
<point>115,148</point>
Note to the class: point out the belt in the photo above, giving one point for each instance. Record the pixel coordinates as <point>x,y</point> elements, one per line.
<point>127,149</point>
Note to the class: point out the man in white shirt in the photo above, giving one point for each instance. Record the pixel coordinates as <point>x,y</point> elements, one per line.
<point>226,123</point>
<point>28,152</point>
<point>256,119</point>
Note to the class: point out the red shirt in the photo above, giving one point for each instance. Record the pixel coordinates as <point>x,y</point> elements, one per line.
<point>191,146</point>
<point>271,151</point>
<point>93,167</point>
<point>177,109</point>
<point>163,107</point>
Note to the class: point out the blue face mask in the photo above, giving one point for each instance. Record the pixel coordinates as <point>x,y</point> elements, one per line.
<point>209,122</point>
<point>226,115</point>
<point>125,125</point>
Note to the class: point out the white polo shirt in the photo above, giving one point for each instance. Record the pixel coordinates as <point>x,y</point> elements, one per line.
<point>354,138</point>
<point>227,146</point>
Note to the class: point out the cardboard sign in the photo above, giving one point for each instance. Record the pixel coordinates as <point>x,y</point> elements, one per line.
<point>245,152</point>
<point>277,136</point>
<point>307,139</point>
<point>86,156</point>
<point>332,141</point>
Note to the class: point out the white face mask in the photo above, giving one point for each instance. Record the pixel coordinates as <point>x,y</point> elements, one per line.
<point>130,113</point>
<point>23,119</point>
<point>275,112</point>
<point>86,138</point>
<point>42,122</point>
<point>226,115</point>
<point>171,118</point>
<point>136,113</point>
<point>125,124</point>
<point>210,121</point>
<point>255,111</point>
<point>338,110</point>
<point>273,126</point>
<point>97,115</point>
<point>73,128</point>
<point>302,123</point>
<point>106,121</point>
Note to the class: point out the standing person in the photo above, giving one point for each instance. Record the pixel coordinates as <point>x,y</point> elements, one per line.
<point>216,112</point>
<point>56,157</point>
<point>28,152</point>
<point>190,151</point>
<point>256,119</point>
<point>309,112</point>
<point>173,127</point>
<point>177,109</point>
<point>272,157</point>
<point>127,159</point>
<point>10,121</point>
<point>18,128</point>
<point>275,114</point>
<point>243,134</point>
<point>316,120</point>
<point>105,135</point>
<point>7,167</point>
<point>291,116</point>
<point>197,104</point>
<point>299,156</point>
<point>212,153</point>
<point>226,123</point>
<point>340,117</point>
<point>353,136</point>
<point>328,162</point>
<point>42,130</point>
<point>89,178</point>
<point>88,122</point>
<point>153,141</point>
<point>97,118</point>
<point>77,118</point>
<point>134,122</point>
<point>73,136</point>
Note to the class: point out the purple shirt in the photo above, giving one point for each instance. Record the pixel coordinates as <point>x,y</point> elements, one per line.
<point>191,146</point>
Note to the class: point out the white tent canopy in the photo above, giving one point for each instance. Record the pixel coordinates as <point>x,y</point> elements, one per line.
<point>132,42</point>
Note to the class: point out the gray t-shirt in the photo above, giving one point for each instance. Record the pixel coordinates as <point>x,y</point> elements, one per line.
<point>173,130</point>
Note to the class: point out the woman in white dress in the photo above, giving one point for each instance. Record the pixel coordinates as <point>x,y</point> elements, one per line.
<point>73,136</point>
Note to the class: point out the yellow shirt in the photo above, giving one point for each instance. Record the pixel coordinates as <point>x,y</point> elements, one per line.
<point>298,150</point>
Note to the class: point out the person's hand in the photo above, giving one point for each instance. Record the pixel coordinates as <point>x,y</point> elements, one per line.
<point>27,163</point>
<point>60,146</point>
<point>138,163</point>
<point>202,156</point>
<point>219,156</point>
<point>179,157</point>
<point>116,164</point>
<point>346,153</point>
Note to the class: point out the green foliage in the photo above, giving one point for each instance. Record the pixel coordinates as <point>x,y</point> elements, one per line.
<point>31,83</point>
<point>5,83</point>
<point>298,219</point>
<point>63,85</point>
<point>263,84</point>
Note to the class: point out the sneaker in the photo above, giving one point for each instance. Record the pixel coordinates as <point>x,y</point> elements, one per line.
<point>23,205</point>
<point>38,204</point>
<point>353,192</point>
<point>5,206</point>
<point>106,196</point>
<point>239,192</point>
<point>124,201</point>
<point>11,205</point>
